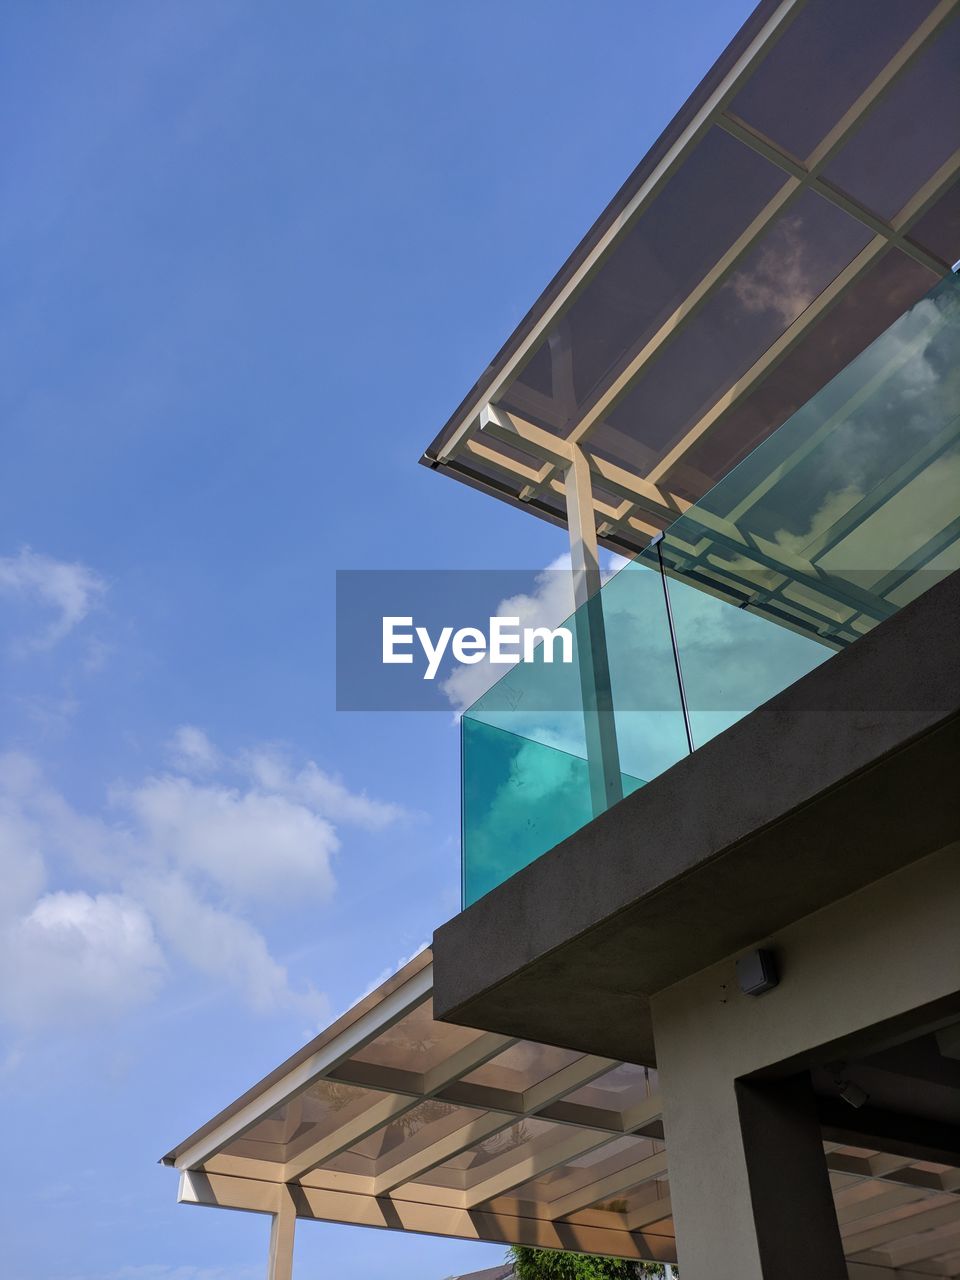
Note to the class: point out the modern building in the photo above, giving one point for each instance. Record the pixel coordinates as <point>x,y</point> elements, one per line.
<point>703,1000</point>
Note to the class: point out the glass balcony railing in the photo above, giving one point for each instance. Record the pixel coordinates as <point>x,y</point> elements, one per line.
<point>846,513</point>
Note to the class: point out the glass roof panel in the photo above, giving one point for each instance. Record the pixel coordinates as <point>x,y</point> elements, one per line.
<point>939,228</point>
<point>909,134</point>
<point>818,68</point>
<point>417,1042</point>
<point>885,290</point>
<point>636,1200</point>
<point>800,254</point>
<point>413,1132</point>
<point>467,1167</point>
<point>660,242</point>
<point>625,1086</point>
<point>692,222</point>
<point>522,1066</point>
<point>619,1153</point>
<point>295,1125</point>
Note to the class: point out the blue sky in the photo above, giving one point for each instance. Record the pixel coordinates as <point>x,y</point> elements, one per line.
<point>253,256</point>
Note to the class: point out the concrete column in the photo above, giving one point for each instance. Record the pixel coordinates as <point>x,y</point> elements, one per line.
<point>748,1180</point>
<point>709,1185</point>
<point>793,1211</point>
<point>747,1172</point>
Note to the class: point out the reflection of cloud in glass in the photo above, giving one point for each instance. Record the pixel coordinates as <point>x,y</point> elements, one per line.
<point>857,492</point>
<point>784,275</point>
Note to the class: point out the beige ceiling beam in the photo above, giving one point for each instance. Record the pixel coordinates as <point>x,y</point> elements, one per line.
<point>529,1163</point>
<point>643,493</point>
<point>453,1144</point>
<point>787,164</point>
<point>224,1191</point>
<point>643,1113</point>
<point>849,1211</point>
<point>512,429</point>
<point>611,1185</point>
<point>228,1192</point>
<point>513,466</point>
<point>361,1126</point>
<point>469,1058</point>
<point>502,424</point>
<point>902,1225</point>
<point>374,1075</point>
<point>582,1071</point>
<point>926,1249</point>
<point>538,1097</point>
<point>900,1172</point>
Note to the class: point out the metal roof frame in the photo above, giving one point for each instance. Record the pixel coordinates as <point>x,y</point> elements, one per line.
<point>646,503</point>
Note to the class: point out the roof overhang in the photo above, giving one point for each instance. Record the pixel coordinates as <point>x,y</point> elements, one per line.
<point>750,257</point>
<point>391,1119</point>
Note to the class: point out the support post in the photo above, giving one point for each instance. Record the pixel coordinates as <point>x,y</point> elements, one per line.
<point>282,1228</point>
<point>603,756</point>
<point>793,1210</point>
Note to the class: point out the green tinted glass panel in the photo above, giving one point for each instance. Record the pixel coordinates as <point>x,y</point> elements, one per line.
<point>526,776</point>
<point>520,798</point>
<point>733,660</point>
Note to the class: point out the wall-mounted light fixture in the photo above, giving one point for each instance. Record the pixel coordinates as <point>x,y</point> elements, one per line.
<point>757,972</point>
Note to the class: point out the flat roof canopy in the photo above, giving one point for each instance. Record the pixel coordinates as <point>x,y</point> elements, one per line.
<point>804,197</point>
<point>391,1119</point>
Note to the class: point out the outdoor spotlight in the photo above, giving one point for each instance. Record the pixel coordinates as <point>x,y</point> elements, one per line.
<point>757,972</point>
<point>853,1094</point>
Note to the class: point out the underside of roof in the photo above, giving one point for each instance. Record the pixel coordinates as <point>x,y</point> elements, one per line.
<point>803,199</point>
<point>392,1119</point>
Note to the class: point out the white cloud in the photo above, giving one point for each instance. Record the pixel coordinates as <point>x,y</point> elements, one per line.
<point>171,872</point>
<point>325,793</point>
<point>24,874</point>
<point>224,947</point>
<point>252,845</point>
<point>70,590</point>
<point>75,958</point>
<point>192,751</point>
